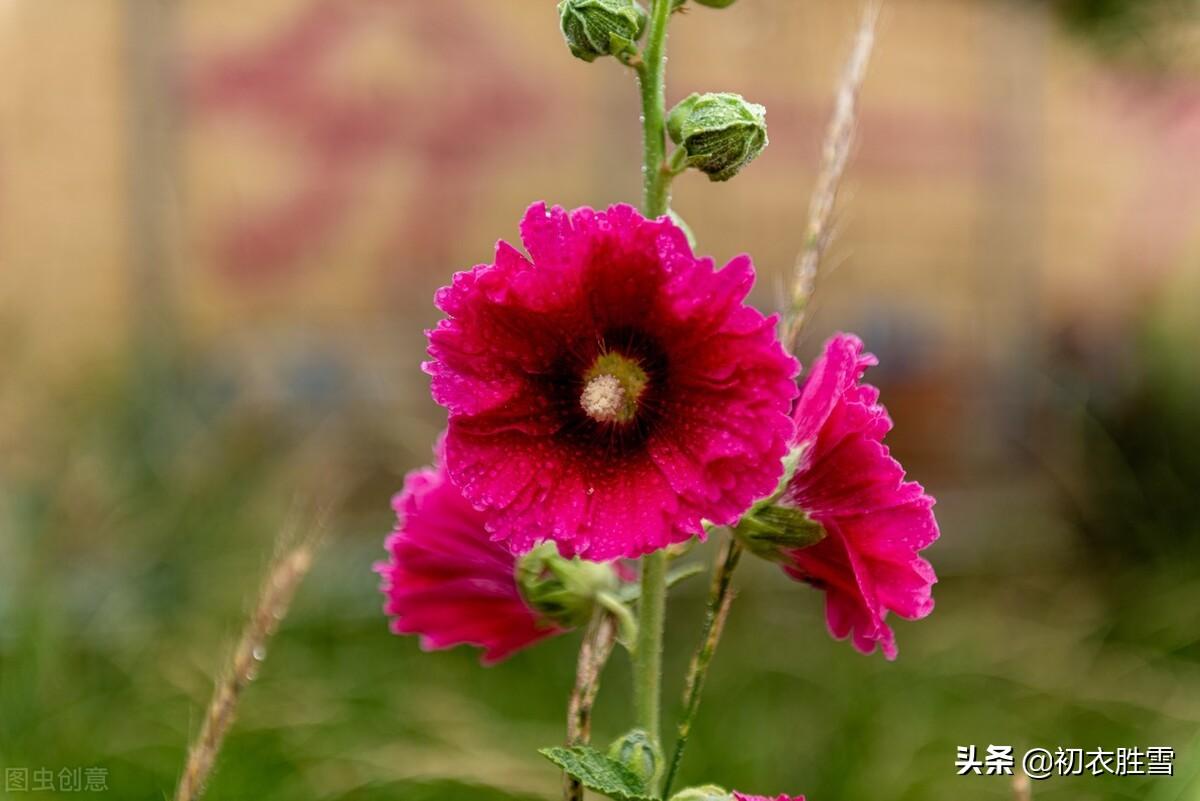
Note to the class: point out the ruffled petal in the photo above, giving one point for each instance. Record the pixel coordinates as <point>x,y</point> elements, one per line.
<point>511,358</point>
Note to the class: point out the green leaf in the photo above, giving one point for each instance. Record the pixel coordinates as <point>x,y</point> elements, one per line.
<point>597,772</point>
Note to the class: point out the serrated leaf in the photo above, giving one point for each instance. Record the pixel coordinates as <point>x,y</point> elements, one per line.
<point>597,772</point>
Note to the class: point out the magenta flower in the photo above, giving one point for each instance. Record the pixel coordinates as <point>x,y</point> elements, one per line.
<point>610,390</point>
<point>875,521</point>
<point>740,797</point>
<point>447,581</point>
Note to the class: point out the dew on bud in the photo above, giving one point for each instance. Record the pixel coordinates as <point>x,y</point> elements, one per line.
<point>594,28</point>
<point>718,133</point>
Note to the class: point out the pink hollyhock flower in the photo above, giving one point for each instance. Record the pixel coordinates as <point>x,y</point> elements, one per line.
<point>447,581</point>
<point>875,522</point>
<point>740,797</point>
<point>610,390</point>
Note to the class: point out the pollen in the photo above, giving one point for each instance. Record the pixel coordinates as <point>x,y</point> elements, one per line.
<point>613,387</point>
<point>603,398</point>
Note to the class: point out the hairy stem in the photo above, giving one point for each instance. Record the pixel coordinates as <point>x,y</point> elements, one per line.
<point>656,178</point>
<point>647,656</point>
<point>594,651</point>
<point>720,598</point>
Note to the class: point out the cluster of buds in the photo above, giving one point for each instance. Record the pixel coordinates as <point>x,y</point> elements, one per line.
<point>717,133</point>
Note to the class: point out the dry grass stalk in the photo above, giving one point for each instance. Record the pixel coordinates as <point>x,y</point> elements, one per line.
<point>835,153</point>
<point>294,558</point>
<point>1022,789</point>
<point>720,599</point>
<point>597,646</point>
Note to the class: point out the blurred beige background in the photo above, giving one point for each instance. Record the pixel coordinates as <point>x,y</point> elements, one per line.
<point>326,164</point>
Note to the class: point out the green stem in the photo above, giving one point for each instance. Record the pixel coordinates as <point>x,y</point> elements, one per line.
<point>647,656</point>
<point>656,178</point>
<point>719,600</point>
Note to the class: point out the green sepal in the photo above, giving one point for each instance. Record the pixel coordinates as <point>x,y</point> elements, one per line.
<point>791,463</point>
<point>560,589</point>
<point>772,531</point>
<point>771,528</point>
<point>621,46</point>
<point>627,626</point>
<point>682,225</point>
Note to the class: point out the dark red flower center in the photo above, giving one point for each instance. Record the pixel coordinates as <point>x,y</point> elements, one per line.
<point>611,391</point>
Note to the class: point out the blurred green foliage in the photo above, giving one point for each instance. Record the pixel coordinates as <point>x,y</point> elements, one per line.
<point>138,519</point>
<point>1124,26</point>
<point>1142,461</point>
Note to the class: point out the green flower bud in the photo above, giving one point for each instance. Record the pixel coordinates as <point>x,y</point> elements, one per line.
<point>563,590</point>
<point>771,531</point>
<point>719,133</point>
<point>636,751</point>
<point>601,27</point>
<point>708,792</point>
